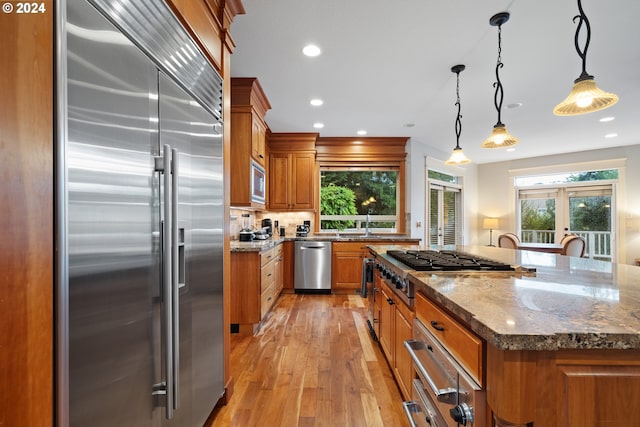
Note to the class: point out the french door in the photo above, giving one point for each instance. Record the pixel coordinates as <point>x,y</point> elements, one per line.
<point>547,214</point>
<point>445,222</point>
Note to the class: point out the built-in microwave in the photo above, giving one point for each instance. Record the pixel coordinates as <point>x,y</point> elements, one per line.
<point>258,183</point>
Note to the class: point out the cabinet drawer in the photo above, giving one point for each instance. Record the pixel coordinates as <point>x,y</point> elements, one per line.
<point>267,256</point>
<point>267,276</point>
<point>463,345</point>
<point>349,246</point>
<point>267,298</point>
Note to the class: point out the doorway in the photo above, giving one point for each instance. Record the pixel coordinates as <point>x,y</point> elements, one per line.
<point>546,214</point>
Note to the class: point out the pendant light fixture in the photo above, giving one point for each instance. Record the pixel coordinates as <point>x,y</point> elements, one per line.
<point>458,157</point>
<point>586,96</point>
<point>499,136</point>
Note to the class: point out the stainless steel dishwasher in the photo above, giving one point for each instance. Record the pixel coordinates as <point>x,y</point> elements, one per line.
<point>312,266</point>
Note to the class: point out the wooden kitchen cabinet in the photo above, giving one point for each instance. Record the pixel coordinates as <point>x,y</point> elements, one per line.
<point>571,387</point>
<point>292,172</point>
<point>249,105</point>
<point>396,326</point>
<point>255,286</point>
<point>346,263</point>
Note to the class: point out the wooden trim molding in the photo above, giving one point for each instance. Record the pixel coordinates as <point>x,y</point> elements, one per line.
<point>365,149</point>
<point>26,197</point>
<point>248,91</point>
<point>292,142</point>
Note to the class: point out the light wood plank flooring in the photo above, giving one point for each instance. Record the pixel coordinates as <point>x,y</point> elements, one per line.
<point>313,363</point>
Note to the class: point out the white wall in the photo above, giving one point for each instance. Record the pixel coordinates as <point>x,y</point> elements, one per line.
<point>418,154</point>
<point>496,194</point>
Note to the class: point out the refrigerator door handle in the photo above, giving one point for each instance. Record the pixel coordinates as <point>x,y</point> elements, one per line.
<point>175,277</point>
<point>167,275</point>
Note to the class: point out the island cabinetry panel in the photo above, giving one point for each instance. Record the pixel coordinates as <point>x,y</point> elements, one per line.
<point>463,344</point>
<point>292,172</point>
<point>287,265</point>
<point>396,326</point>
<point>565,387</point>
<point>255,286</point>
<point>249,105</point>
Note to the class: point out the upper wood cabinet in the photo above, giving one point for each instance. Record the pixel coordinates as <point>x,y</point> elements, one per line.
<point>249,105</point>
<point>292,171</point>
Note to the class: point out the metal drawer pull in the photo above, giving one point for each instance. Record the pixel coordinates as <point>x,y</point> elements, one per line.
<point>436,326</point>
<point>409,408</point>
<point>445,395</point>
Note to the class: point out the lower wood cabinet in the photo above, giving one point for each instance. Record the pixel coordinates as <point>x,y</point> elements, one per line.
<point>256,283</point>
<point>396,326</point>
<point>346,263</point>
<point>572,388</point>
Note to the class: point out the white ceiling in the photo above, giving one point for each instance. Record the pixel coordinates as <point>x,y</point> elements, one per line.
<point>386,64</point>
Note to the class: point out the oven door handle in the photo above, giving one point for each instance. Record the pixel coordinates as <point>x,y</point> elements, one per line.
<point>445,395</point>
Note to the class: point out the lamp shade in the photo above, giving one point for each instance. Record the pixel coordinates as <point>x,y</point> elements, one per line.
<point>499,137</point>
<point>490,223</point>
<point>585,97</point>
<point>457,157</point>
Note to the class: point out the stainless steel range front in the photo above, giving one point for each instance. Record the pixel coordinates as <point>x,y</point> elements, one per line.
<point>444,394</point>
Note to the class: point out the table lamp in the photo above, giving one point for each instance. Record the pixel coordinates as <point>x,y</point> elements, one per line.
<point>490,224</point>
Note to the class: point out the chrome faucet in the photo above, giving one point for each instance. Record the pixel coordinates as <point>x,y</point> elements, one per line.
<point>366,230</point>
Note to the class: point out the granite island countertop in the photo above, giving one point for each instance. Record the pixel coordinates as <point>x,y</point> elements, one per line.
<point>569,303</point>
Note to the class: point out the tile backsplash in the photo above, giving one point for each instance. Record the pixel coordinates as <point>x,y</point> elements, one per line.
<point>289,220</point>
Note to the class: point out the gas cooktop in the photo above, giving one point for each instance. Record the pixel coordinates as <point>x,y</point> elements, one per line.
<point>430,260</point>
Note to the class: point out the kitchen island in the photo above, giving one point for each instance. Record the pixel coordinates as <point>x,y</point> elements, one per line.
<point>560,338</point>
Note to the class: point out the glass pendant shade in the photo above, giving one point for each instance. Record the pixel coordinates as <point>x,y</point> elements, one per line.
<point>585,97</point>
<point>458,157</point>
<point>499,138</point>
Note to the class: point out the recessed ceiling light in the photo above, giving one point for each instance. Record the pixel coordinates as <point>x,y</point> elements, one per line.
<point>311,50</point>
<point>316,102</point>
<point>362,132</point>
<point>607,119</point>
<point>515,105</point>
<point>408,125</point>
<point>318,125</point>
<point>511,149</point>
<point>611,135</point>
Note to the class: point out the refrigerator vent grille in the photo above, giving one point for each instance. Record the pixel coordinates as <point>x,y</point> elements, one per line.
<point>154,28</point>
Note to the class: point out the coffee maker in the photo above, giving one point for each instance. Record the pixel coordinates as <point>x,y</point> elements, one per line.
<point>267,226</point>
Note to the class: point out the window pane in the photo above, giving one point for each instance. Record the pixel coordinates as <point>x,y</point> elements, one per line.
<point>450,226</point>
<point>433,217</point>
<point>537,219</point>
<point>348,196</point>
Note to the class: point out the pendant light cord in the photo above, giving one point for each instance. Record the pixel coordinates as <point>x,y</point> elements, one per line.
<point>582,53</point>
<point>499,95</point>
<point>459,116</point>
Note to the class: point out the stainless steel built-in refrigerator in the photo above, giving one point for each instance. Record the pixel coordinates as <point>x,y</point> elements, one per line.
<point>140,219</point>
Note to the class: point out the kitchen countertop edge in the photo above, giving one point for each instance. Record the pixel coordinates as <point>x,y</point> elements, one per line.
<point>263,245</point>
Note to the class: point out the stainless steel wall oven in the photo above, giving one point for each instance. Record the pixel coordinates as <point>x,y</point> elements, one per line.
<point>444,394</point>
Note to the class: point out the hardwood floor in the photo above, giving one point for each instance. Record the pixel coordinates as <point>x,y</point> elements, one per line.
<point>313,363</point>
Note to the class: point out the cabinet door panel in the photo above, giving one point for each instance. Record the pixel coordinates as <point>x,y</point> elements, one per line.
<point>404,365</point>
<point>387,320</point>
<point>598,396</point>
<point>278,181</point>
<point>346,271</point>
<point>302,181</point>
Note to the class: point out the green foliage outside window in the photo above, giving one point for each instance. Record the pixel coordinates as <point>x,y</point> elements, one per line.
<point>349,192</point>
<point>336,200</point>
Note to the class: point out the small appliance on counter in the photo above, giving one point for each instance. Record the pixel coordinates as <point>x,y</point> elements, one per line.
<point>302,230</point>
<point>268,225</point>
<point>246,233</point>
<point>262,234</point>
